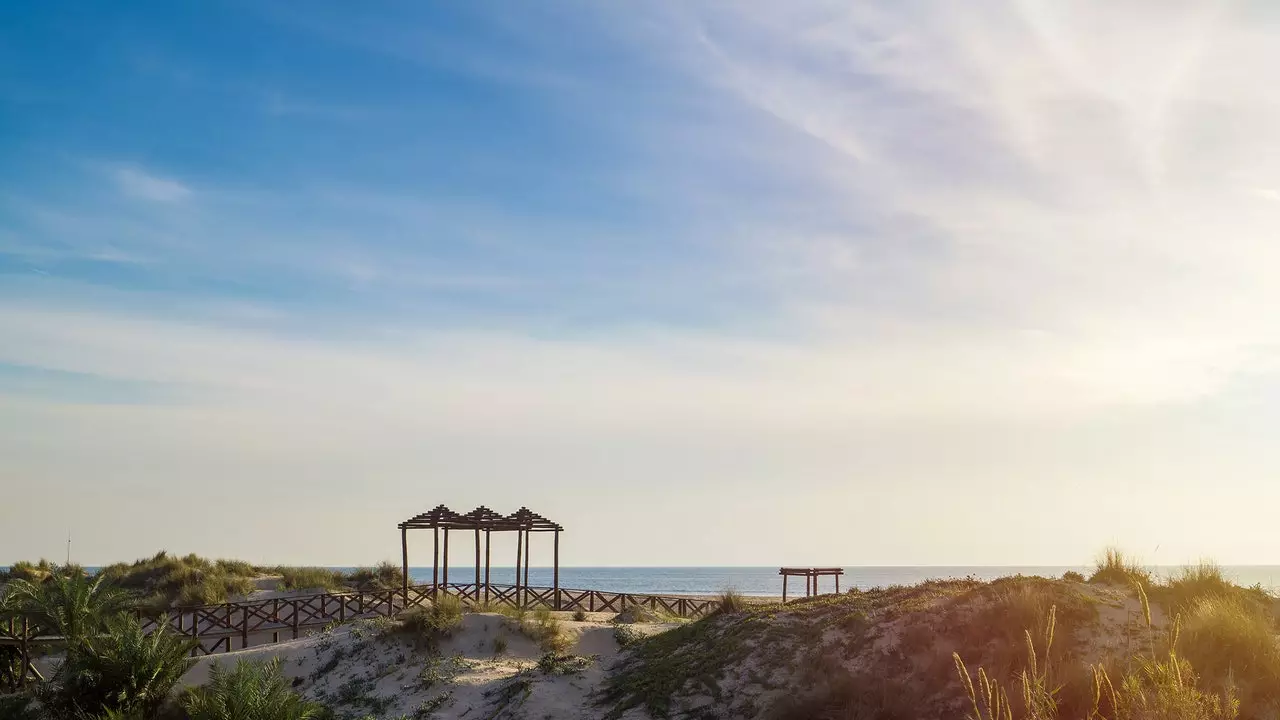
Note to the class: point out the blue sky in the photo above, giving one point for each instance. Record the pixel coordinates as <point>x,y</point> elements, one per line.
<point>792,261</point>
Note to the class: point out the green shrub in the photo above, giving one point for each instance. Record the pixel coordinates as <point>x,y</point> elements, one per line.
<point>626,635</point>
<point>249,691</point>
<point>543,628</point>
<point>430,623</point>
<point>553,663</point>
<point>123,669</point>
<point>1072,576</point>
<point>383,576</point>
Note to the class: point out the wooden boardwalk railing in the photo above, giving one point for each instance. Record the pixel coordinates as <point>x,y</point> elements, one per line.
<point>234,625</point>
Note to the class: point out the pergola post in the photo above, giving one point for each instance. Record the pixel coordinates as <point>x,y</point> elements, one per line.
<point>435,561</point>
<point>487,546</point>
<point>477,564</point>
<point>444,574</point>
<point>555,573</point>
<point>519,549</point>
<point>528,540</point>
<point>404,563</point>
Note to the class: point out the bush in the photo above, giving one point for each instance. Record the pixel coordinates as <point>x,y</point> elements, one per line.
<point>1072,576</point>
<point>731,601</point>
<point>543,628</point>
<point>249,691</point>
<point>1225,637</point>
<point>123,670</point>
<point>31,572</point>
<point>1117,568</point>
<point>626,635</point>
<point>435,621</point>
<point>580,615</point>
<point>383,576</point>
<point>166,580</point>
<point>308,578</point>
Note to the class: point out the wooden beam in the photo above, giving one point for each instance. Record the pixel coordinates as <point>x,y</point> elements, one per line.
<point>487,568</point>
<point>404,563</point>
<point>435,561</point>
<point>528,540</point>
<point>519,548</point>
<point>444,575</point>
<point>555,578</point>
<point>477,564</point>
<point>785,577</point>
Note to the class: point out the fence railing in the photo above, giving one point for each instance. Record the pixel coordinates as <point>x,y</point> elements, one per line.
<point>219,628</point>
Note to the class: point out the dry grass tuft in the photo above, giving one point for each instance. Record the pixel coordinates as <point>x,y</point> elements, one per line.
<point>1115,567</point>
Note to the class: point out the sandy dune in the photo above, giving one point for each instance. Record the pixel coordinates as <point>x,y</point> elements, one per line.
<point>359,668</point>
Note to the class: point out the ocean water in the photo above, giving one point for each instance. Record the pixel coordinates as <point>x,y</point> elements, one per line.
<point>763,581</point>
<point>766,581</point>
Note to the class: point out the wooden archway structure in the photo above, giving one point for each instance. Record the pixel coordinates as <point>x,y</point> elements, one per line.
<point>523,522</point>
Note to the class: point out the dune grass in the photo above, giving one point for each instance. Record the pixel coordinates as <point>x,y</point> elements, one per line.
<point>165,580</point>
<point>1115,567</point>
<point>383,576</point>
<point>731,601</point>
<point>309,578</point>
<point>428,624</point>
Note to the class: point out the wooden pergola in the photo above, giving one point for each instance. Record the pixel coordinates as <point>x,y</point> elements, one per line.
<point>811,576</point>
<point>523,522</point>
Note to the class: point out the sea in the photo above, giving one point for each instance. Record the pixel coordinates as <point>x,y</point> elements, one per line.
<point>765,581</point>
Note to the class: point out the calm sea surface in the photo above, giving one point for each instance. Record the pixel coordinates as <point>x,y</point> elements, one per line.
<point>765,580</point>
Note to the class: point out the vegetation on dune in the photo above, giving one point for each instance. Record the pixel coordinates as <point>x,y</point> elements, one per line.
<point>429,624</point>
<point>309,578</point>
<point>383,576</point>
<point>248,691</point>
<point>731,601</point>
<point>122,670</point>
<point>70,604</point>
<point>1115,567</point>
<point>1019,648</point>
<point>165,580</point>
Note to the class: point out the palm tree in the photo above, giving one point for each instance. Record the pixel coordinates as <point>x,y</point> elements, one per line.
<point>249,691</point>
<point>123,669</point>
<point>72,605</point>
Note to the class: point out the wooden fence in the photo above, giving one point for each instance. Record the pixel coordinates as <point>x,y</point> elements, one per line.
<point>236,625</point>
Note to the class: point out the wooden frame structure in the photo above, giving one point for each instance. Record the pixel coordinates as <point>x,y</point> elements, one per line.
<point>811,576</point>
<point>523,522</point>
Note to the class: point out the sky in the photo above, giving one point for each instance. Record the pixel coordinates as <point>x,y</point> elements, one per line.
<point>707,282</point>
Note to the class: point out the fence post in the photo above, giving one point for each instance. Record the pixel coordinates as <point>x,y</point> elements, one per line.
<point>195,632</point>
<point>294,619</point>
<point>24,652</point>
<point>244,628</point>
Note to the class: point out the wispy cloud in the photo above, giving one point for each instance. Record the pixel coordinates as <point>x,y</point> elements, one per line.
<point>136,182</point>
